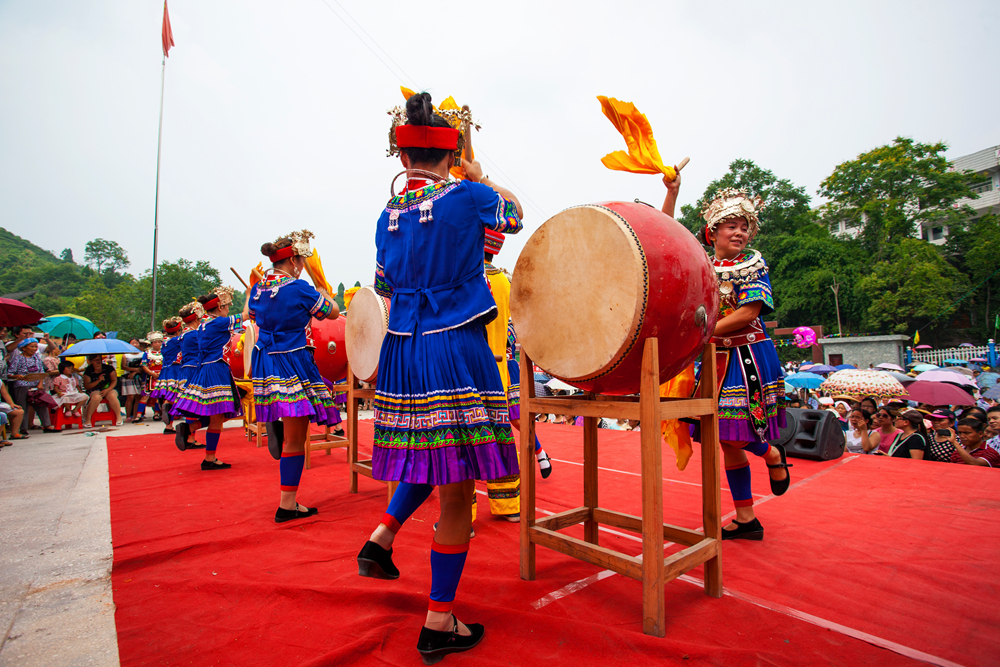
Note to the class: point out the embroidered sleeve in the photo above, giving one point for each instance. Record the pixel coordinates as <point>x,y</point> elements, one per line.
<point>511,339</point>
<point>497,213</point>
<point>252,305</point>
<point>382,286</point>
<point>322,308</point>
<point>758,289</point>
<point>235,322</point>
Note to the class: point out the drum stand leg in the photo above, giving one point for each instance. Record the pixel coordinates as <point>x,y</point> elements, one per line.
<point>653,607</point>
<point>528,478</point>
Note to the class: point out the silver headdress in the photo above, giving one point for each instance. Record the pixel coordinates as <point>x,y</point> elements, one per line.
<point>733,203</point>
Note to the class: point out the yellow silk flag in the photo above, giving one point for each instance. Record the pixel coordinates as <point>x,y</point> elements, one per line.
<point>675,433</point>
<point>314,267</point>
<point>449,104</point>
<point>643,157</point>
<point>256,274</point>
<point>348,295</point>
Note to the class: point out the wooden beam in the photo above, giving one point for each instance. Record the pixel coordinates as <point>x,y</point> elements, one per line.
<point>565,519</point>
<point>584,407</point>
<point>628,566</point>
<point>654,613</point>
<point>528,479</point>
<point>671,533</point>
<point>682,561</point>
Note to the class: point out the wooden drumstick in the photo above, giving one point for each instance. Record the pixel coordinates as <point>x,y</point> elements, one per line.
<point>245,286</point>
<point>467,149</point>
<point>682,164</point>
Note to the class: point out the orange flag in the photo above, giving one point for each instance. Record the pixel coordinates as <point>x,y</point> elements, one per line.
<point>643,157</point>
<point>675,433</point>
<point>168,34</point>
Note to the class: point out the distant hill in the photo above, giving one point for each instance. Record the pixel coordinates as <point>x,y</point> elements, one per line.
<point>25,267</point>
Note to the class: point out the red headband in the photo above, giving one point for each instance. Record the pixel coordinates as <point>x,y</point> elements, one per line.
<point>190,317</point>
<point>172,328</point>
<point>283,253</point>
<point>211,304</point>
<point>424,136</point>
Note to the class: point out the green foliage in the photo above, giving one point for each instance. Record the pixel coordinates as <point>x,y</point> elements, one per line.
<point>66,255</point>
<point>887,192</point>
<point>912,288</point>
<point>339,296</point>
<point>108,259</point>
<point>974,249</point>
<point>28,268</point>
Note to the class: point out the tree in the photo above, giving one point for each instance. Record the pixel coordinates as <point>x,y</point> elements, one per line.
<point>339,296</point>
<point>66,255</point>
<point>786,205</point>
<point>973,248</point>
<point>887,192</point>
<point>914,287</point>
<point>107,258</point>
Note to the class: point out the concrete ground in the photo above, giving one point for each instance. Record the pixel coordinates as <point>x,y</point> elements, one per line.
<point>56,605</point>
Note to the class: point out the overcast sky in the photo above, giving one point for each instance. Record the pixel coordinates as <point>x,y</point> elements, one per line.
<point>274,114</point>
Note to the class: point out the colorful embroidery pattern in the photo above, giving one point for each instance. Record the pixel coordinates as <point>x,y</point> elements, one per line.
<point>507,220</point>
<point>322,308</point>
<point>382,286</point>
<point>413,199</point>
<point>755,292</point>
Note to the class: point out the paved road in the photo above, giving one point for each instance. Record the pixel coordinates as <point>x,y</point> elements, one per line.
<point>56,607</point>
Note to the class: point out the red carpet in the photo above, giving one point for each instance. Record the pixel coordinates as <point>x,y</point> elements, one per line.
<point>861,554</point>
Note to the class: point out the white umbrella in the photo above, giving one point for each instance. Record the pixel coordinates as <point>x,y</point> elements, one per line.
<point>863,383</point>
<point>559,384</point>
<point>890,367</point>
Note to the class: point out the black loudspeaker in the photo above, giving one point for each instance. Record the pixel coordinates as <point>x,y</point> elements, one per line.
<point>812,434</point>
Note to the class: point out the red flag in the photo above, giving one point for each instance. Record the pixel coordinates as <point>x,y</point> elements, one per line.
<point>168,34</point>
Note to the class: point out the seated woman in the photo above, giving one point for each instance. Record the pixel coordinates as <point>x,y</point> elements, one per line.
<point>22,366</point>
<point>100,380</point>
<point>911,441</point>
<point>969,447</point>
<point>862,438</point>
<point>13,414</point>
<point>67,388</point>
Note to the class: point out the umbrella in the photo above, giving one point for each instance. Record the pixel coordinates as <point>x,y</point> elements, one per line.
<point>938,393</point>
<point>804,380</point>
<point>863,383</point>
<point>890,367</point>
<point>846,367</point>
<point>993,393</point>
<point>13,313</point>
<point>789,389</point>
<point>962,370</point>
<point>947,376</point>
<point>558,384</point>
<point>100,346</point>
<point>966,345</point>
<point>804,367</point>
<point>923,347</point>
<point>987,379</point>
<point>903,378</point>
<point>821,369</point>
<point>955,362</point>
<point>920,368</point>
<point>60,325</point>
<point>979,360</point>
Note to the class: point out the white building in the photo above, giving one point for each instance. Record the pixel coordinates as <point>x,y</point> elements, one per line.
<point>986,163</point>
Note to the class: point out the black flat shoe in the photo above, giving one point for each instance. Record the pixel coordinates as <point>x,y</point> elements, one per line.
<point>300,512</point>
<point>196,445</point>
<point>169,431</point>
<point>434,645</point>
<point>215,465</point>
<point>376,562</point>
<point>751,530</point>
<point>181,436</point>
<point>545,471</point>
<point>779,486</point>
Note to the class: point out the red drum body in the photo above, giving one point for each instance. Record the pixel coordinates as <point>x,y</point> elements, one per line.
<point>331,351</point>
<point>231,357</point>
<point>595,281</point>
<point>367,324</point>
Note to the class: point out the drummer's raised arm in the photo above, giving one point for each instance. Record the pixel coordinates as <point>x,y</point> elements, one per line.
<point>673,187</point>
<point>474,172</point>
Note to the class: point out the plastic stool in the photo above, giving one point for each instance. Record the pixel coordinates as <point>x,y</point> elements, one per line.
<point>108,416</point>
<point>60,419</point>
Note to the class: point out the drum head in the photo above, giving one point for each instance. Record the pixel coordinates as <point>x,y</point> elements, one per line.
<point>577,294</point>
<point>367,322</point>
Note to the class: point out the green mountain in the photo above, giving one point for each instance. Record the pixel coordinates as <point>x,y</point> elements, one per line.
<point>26,267</point>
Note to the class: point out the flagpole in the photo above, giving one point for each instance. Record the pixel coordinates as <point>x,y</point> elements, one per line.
<point>156,206</point>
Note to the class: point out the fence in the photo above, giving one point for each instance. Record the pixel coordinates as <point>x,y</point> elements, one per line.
<point>937,357</point>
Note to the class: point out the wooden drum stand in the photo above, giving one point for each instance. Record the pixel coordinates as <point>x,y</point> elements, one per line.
<point>652,569</point>
<point>355,395</point>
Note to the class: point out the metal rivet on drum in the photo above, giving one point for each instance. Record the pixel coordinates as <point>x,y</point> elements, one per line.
<point>331,347</point>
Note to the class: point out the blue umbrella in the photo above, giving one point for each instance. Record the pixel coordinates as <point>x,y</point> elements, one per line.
<point>845,367</point>
<point>806,380</point>
<point>100,346</point>
<point>993,393</point>
<point>823,369</point>
<point>955,362</point>
<point>987,379</point>
<point>58,326</point>
<point>920,368</point>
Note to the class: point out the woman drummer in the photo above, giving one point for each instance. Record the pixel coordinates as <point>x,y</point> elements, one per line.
<point>440,411</point>
<point>749,415</point>
<point>166,383</point>
<point>210,392</point>
<point>287,385</point>
<point>189,360</point>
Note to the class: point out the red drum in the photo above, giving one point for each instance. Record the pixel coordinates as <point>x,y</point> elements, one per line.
<point>230,356</point>
<point>367,323</point>
<point>595,281</point>
<point>328,337</point>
